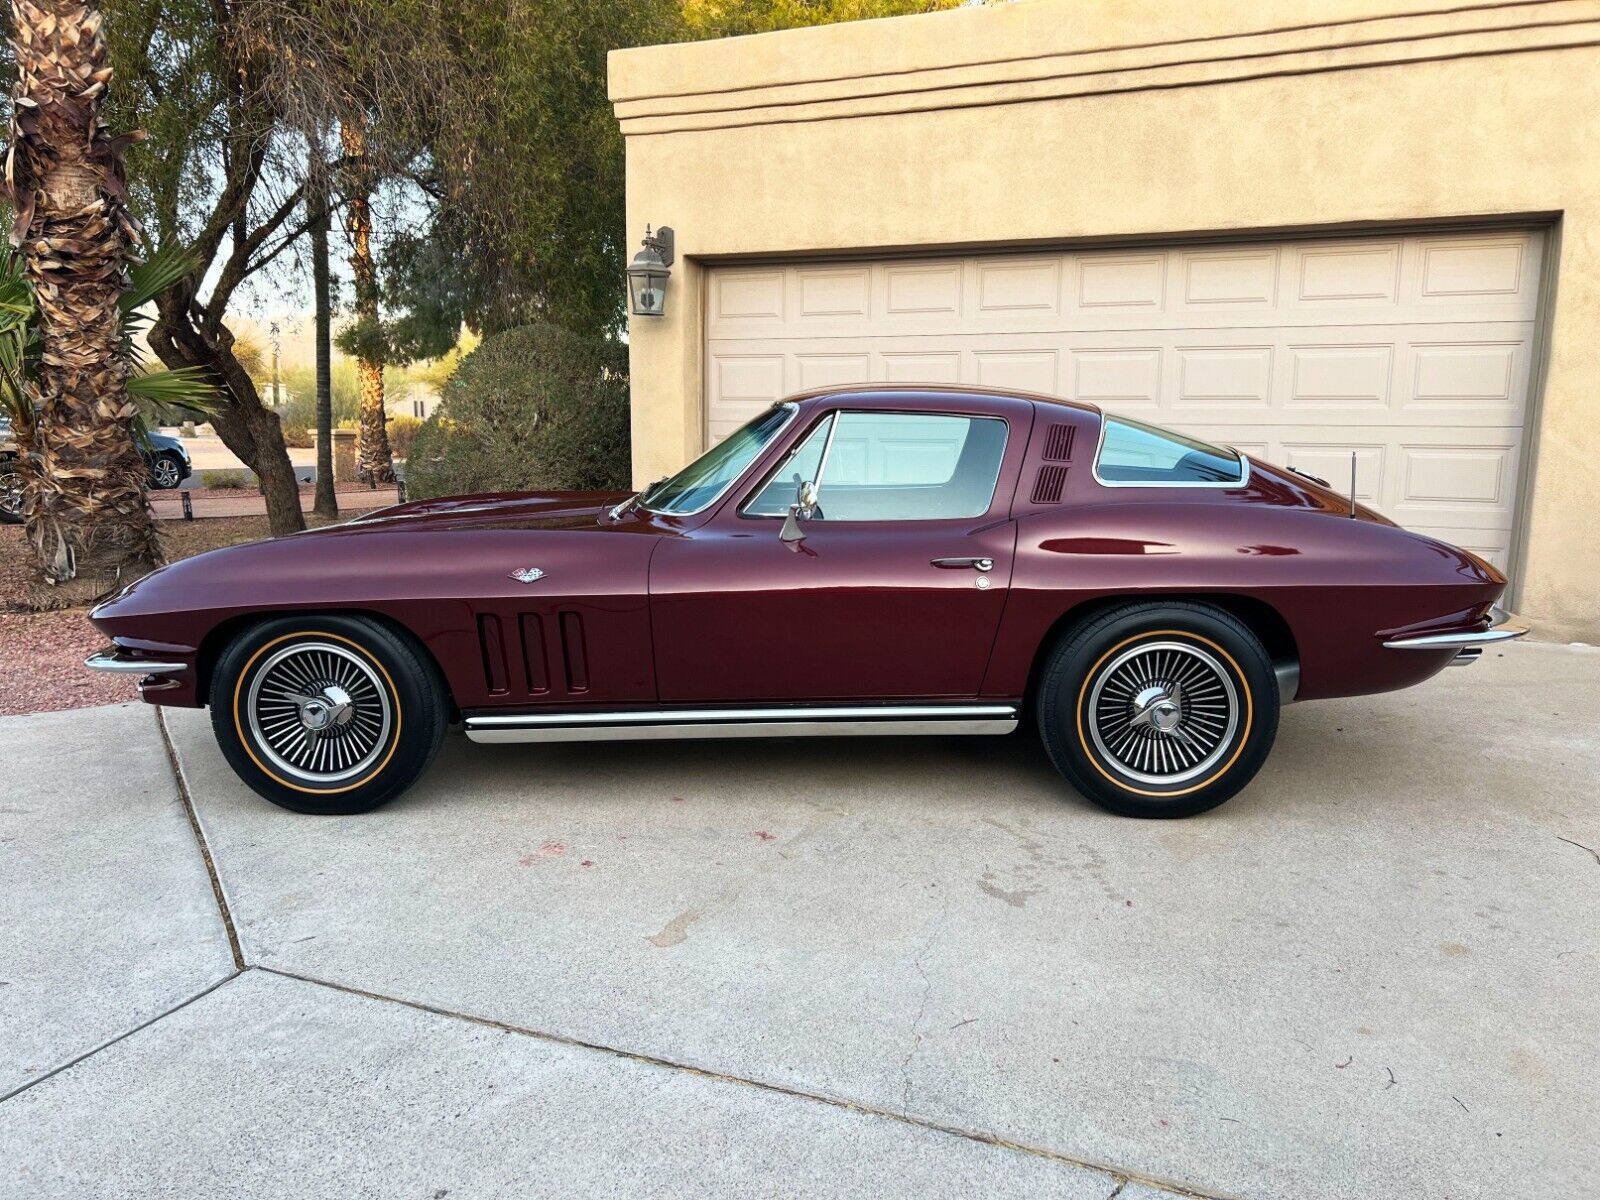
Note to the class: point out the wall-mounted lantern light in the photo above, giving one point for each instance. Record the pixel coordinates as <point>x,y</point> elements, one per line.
<point>649,272</point>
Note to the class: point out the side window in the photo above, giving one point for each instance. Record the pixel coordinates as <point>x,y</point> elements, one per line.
<point>886,466</point>
<point>778,493</point>
<point>1132,452</point>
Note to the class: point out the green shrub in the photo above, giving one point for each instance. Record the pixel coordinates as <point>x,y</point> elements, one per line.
<point>531,409</point>
<point>231,478</point>
<point>402,432</point>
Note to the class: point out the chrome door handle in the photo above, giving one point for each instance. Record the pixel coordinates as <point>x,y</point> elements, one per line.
<point>977,564</point>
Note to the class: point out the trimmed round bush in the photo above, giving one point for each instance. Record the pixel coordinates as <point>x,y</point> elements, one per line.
<point>537,408</point>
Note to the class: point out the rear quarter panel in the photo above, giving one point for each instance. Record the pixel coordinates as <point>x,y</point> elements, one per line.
<point>1339,584</point>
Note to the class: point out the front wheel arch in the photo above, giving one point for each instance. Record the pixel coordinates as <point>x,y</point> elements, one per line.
<point>221,637</point>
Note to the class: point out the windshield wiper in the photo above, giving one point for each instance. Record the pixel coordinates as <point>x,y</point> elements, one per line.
<point>632,502</point>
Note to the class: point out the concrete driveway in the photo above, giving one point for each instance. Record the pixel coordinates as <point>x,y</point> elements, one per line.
<point>878,968</point>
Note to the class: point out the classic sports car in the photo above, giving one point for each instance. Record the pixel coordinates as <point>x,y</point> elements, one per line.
<point>870,559</point>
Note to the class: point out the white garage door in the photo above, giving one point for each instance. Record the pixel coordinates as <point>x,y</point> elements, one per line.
<point>1412,351</point>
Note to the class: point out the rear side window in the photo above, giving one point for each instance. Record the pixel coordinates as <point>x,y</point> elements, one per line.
<point>1133,453</point>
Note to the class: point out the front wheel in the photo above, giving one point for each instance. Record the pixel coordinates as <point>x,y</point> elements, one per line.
<point>10,493</point>
<point>1159,709</point>
<point>166,472</point>
<point>326,714</point>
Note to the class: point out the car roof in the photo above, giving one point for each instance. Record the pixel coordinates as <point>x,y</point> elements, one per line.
<point>935,389</point>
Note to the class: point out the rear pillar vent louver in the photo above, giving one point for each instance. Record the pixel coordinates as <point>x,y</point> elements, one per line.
<point>1047,487</point>
<point>1058,443</point>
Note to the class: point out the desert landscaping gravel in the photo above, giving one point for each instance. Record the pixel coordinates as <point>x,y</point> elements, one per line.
<point>42,653</point>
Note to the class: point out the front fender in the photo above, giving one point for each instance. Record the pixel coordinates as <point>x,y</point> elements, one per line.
<point>450,588</point>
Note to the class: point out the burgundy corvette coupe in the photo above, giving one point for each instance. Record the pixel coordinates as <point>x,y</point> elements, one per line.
<point>871,559</point>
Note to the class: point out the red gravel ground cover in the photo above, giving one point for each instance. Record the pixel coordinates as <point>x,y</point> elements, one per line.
<point>41,654</point>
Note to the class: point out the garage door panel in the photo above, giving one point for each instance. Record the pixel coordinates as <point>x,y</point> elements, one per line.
<point>1026,370</point>
<point>1010,286</point>
<point>1476,376</point>
<point>1122,379</point>
<point>1476,270</point>
<point>1351,377</point>
<point>1457,479</point>
<point>1222,380</point>
<point>1244,278</point>
<point>747,298</point>
<point>842,292</point>
<point>912,366</point>
<point>1125,283</point>
<point>1331,461</point>
<point>918,291</point>
<point>1413,351</point>
<point>1329,275</point>
<point>826,370</point>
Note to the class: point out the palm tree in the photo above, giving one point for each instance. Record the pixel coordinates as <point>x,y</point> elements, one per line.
<point>86,511</point>
<point>376,465</point>
<point>327,501</point>
<point>186,388</point>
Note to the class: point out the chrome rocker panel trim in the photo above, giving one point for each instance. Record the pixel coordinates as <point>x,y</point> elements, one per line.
<point>824,721</point>
<point>1503,630</point>
<point>112,660</point>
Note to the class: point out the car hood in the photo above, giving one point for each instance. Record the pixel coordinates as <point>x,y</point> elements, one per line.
<point>546,510</point>
<point>165,441</point>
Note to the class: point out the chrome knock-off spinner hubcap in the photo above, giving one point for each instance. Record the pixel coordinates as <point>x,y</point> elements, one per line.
<point>319,712</point>
<point>1163,712</point>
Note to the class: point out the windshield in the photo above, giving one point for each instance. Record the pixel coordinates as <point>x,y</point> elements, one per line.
<point>700,483</point>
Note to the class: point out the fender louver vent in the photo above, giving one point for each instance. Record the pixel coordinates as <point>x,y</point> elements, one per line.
<point>1058,444</point>
<point>1047,487</point>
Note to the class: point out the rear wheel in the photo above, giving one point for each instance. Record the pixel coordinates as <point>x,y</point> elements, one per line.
<point>1160,709</point>
<point>326,714</point>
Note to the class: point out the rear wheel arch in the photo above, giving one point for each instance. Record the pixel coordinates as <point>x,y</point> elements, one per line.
<point>1261,618</point>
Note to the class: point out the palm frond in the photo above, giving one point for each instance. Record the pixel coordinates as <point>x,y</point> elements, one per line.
<point>188,388</point>
<point>148,279</point>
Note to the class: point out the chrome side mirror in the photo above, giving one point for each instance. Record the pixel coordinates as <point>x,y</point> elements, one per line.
<point>801,510</point>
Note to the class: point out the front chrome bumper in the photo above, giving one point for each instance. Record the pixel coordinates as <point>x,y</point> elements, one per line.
<point>118,660</point>
<point>1470,642</point>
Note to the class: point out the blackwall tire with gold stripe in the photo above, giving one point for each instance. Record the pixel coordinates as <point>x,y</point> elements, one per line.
<point>1159,709</point>
<point>327,714</point>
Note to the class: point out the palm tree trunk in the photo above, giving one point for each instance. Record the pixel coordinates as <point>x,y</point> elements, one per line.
<point>327,502</point>
<point>376,465</point>
<point>86,513</point>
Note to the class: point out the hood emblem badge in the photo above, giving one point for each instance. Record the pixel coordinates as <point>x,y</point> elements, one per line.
<point>527,574</point>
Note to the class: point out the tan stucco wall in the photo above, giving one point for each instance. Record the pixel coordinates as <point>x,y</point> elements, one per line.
<point>1119,119</point>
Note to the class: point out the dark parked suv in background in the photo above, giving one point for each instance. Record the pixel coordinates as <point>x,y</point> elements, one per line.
<point>165,456</point>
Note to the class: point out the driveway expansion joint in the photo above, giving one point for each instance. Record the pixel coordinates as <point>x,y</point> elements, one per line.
<point>1121,1177</point>
<point>121,1037</point>
<point>234,946</point>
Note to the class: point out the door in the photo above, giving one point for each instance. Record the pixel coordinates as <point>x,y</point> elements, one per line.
<point>895,590</point>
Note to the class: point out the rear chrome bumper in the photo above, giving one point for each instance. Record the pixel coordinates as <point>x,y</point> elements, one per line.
<point>1503,629</point>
